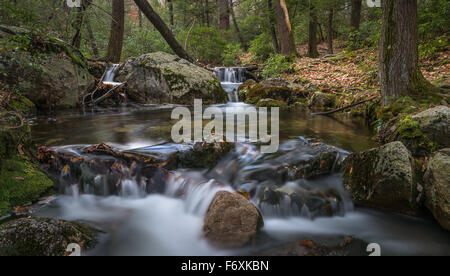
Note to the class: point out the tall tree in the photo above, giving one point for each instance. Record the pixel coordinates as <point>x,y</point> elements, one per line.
<point>115,44</point>
<point>224,15</point>
<point>172,20</point>
<point>399,69</point>
<point>285,34</point>
<point>159,24</point>
<point>78,23</point>
<point>312,32</point>
<point>273,32</point>
<point>330,31</point>
<point>355,18</point>
<point>92,39</point>
<point>236,27</point>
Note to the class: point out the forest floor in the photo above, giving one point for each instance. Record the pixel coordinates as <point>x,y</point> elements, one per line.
<point>357,70</point>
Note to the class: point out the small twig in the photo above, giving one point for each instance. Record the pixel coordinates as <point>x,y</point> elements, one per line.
<point>346,107</point>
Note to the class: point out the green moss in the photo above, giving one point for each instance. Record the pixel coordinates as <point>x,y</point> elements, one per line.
<point>271,103</point>
<point>21,183</point>
<point>22,105</point>
<point>414,139</point>
<point>259,92</point>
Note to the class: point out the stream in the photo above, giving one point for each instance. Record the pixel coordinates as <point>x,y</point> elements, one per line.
<point>136,223</point>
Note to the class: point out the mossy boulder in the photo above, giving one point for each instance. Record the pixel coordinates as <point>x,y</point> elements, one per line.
<point>21,181</point>
<point>44,237</point>
<point>383,178</point>
<point>437,187</point>
<point>422,133</point>
<point>321,100</point>
<point>45,70</point>
<point>204,155</point>
<point>276,89</point>
<point>271,103</point>
<point>164,78</point>
<point>22,105</point>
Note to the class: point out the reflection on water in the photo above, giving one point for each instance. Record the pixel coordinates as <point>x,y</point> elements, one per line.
<point>153,125</point>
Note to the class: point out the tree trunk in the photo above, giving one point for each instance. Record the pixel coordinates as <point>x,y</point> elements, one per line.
<point>159,24</point>
<point>78,24</point>
<point>330,31</point>
<point>272,23</point>
<point>399,69</point>
<point>236,27</point>
<point>224,15</point>
<point>287,45</point>
<point>92,40</point>
<point>355,18</point>
<point>312,42</point>
<point>207,13</point>
<point>172,20</point>
<point>117,30</point>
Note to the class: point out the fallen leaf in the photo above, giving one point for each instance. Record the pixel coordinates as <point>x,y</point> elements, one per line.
<point>307,243</point>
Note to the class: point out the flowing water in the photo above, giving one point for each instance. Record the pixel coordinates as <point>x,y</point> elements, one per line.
<point>231,79</point>
<point>170,223</point>
<point>110,74</point>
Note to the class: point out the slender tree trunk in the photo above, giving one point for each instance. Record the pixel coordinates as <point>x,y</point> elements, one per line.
<point>273,32</point>
<point>224,15</point>
<point>355,18</point>
<point>236,27</point>
<point>92,40</point>
<point>330,31</point>
<point>208,23</point>
<point>287,45</point>
<point>399,69</point>
<point>78,24</point>
<point>172,19</point>
<point>312,42</point>
<point>115,44</point>
<point>140,18</point>
<point>159,24</point>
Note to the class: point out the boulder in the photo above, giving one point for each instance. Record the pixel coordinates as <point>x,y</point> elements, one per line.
<point>43,237</point>
<point>46,70</point>
<point>322,100</point>
<point>271,103</point>
<point>435,124</point>
<point>164,78</point>
<point>276,89</point>
<point>382,178</point>
<point>231,221</point>
<point>437,187</point>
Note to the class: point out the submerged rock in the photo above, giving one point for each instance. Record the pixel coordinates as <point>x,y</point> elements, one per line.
<point>231,220</point>
<point>437,187</point>
<point>43,237</point>
<point>164,78</point>
<point>46,70</point>
<point>382,178</point>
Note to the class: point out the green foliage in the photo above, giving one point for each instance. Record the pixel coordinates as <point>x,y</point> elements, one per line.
<point>231,54</point>
<point>433,46</point>
<point>142,41</point>
<point>262,47</point>
<point>204,44</point>
<point>367,36</point>
<point>434,19</point>
<point>275,66</point>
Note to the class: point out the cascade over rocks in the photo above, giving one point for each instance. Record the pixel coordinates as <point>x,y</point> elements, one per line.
<point>164,78</point>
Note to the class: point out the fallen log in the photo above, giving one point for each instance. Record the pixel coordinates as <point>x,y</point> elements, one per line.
<point>344,108</point>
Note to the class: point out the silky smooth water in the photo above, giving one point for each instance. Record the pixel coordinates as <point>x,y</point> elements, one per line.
<point>169,224</point>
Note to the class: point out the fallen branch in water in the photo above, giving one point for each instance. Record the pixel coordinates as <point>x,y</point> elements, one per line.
<point>107,94</point>
<point>346,107</point>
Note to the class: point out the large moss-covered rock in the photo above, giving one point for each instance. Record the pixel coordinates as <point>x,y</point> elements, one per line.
<point>276,89</point>
<point>382,178</point>
<point>21,181</point>
<point>435,124</point>
<point>164,78</point>
<point>322,100</point>
<point>43,237</point>
<point>45,70</point>
<point>437,187</point>
<point>231,220</point>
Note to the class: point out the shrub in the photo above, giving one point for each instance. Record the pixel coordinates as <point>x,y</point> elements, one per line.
<point>143,41</point>
<point>231,54</point>
<point>276,65</point>
<point>262,47</point>
<point>205,44</point>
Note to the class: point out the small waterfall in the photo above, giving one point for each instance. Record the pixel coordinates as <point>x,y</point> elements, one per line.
<point>231,78</point>
<point>110,74</point>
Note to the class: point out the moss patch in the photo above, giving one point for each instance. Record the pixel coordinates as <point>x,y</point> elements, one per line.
<point>414,139</point>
